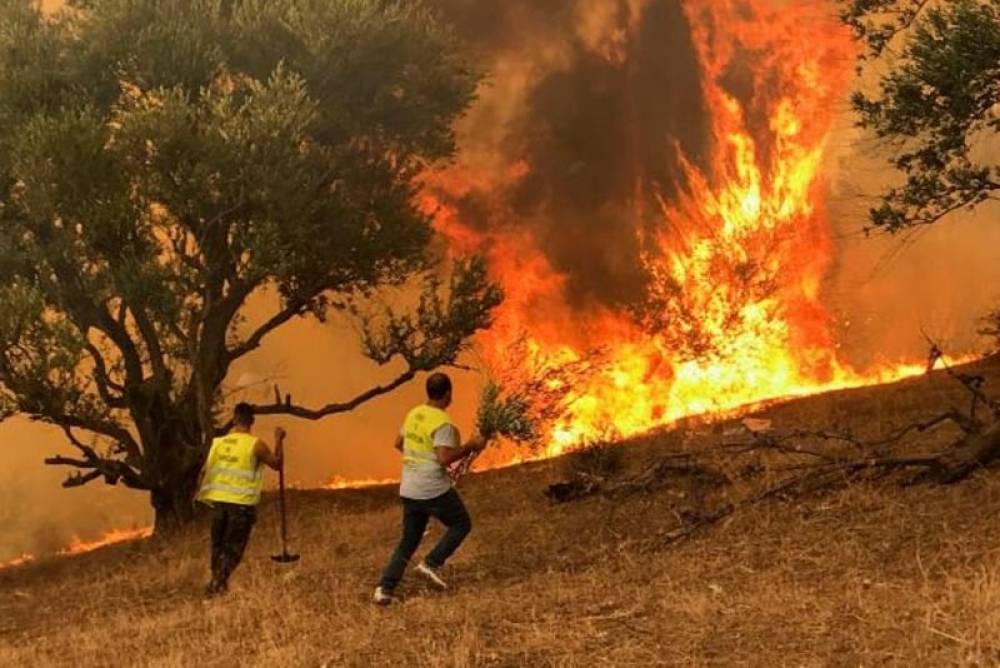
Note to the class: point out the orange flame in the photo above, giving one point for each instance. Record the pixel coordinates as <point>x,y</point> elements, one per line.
<point>734,315</point>
<point>340,482</point>
<point>17,561</point>
<point>110,538</point>
<point>79,546</point>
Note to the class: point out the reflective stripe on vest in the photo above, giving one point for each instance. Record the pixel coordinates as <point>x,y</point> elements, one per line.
<point>232,472</point>
<point>212,491</point>
<point>418,436</point>
<point>238,473</point>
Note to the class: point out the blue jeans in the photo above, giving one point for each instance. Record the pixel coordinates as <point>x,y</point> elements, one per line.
<point>450,511</point>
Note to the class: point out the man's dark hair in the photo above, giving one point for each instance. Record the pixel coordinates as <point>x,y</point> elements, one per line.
<point>438,386</point>
<point>243,414</point>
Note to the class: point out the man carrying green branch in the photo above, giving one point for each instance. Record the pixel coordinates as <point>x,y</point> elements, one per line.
<point>430,443</point>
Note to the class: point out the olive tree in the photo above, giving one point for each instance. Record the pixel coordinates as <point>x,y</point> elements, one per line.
<point>162,162</point>
<point>936,105</point>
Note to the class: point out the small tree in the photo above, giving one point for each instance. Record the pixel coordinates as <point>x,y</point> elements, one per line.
<point>935,104</point>
<point>163,161</point>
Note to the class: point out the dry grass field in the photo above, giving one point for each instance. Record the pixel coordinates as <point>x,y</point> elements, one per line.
<point>874,573</point>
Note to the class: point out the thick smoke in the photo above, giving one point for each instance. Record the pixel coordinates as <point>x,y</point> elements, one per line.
<point>607,94</point>
<point>598,98</point>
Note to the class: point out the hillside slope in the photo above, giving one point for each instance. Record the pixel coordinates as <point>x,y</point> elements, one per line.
<point>872,573</point>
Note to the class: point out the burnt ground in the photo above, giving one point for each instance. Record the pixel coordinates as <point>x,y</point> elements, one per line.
<point>860,572</point>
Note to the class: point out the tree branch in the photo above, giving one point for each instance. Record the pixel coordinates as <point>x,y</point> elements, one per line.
<point>86,313</point>
<point>908,18</point>
<point>972,383</point>
<point>932,212</point>
<point>880,35</point>
<point>294,308</point>
<point>113,471</point>
<point>152,340</point>
<point>289,408</point>
<point>103,380</point>
<point>105,428</point>
<point>81,479</point>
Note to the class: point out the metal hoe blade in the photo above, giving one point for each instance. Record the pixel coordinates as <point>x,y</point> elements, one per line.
<point>285,558</point>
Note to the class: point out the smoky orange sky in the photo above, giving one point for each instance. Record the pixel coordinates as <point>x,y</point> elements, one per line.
<point>882,291</point>
<point>888,291</point>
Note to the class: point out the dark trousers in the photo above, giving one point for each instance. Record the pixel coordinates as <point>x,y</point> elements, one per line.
<point>231,527</point>
<point>450,511</point>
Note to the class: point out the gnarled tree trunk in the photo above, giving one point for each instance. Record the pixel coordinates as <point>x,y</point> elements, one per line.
<point>173,505</point>
<point>173,467</point>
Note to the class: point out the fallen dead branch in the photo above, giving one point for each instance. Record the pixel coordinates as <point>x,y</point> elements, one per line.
<point>977,447</point>
<point>659,474</point>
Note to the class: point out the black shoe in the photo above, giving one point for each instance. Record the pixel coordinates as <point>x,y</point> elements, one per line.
<point>215,588</point>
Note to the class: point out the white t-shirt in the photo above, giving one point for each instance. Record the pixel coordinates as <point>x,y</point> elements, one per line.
<point>425,481</point>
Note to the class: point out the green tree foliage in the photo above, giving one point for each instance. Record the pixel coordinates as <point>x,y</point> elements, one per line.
<point>937,102</point>
<point>163,161</point>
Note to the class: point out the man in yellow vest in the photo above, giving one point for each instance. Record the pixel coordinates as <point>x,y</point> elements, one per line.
<point>430,443</point>
<point>231,483</point>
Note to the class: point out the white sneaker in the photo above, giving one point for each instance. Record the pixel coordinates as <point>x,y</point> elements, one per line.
<point>432,575</point>
<point>381,597</point>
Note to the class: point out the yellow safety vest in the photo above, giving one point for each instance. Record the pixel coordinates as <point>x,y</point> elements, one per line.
<point>232,472</point>
<point>418,436</point>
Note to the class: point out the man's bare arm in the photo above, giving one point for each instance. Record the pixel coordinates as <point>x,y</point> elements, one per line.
<point>274,460</point>
<point>448,456</point>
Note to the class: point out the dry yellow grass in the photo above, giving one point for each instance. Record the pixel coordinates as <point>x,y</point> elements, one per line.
<point>872,574</point>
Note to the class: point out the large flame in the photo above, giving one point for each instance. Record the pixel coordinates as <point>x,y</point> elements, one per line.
<point>736,263</point>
